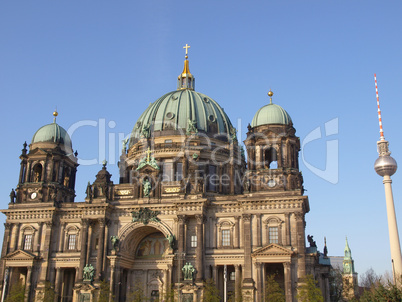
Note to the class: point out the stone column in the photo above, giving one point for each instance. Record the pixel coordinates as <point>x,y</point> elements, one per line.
<point>77,277</point>
<point>181,244</point>
<point>99,256</point>
<point>57,285</point>
<point>28,172</point>
<point>6,240</point>
<point>23,167</point>
<point>214,233</point>
<point>237,230</point>
<point>258,281</point>
<point>247,248</point>
<point>112,282</point>
<point>258,216</point>
<point>165,282</point>
<point>39,240</point>
<point>62,236</point>
<point>301,247</point>
<point>4,251</point>
<point>199,252</point>
<point>287,229</point>
<point>215,272</point>
<point>288,281</point>
<point>128,284</point>
<point>28,284</point>
<point>84,239</point>
<point>46,252</point>
<point>106,241</point>
<point>169,277</point>
<point>14,237</point>
<point>232,175</point>
<point>89,244</point>
<point>237,282</point>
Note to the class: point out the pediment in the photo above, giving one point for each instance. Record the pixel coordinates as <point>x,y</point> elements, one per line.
<point>20,255</point>
<point>37,151</point>
<point>148,169</point>
<point>272,250</point>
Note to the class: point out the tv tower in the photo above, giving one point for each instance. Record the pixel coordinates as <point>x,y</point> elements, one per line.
<point>386,166</point>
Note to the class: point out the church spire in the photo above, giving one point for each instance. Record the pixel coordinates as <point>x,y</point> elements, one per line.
<point>186,80</point>
<point>348,252</point>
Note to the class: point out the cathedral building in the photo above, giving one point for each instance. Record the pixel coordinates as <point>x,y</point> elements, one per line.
<point>188,207</point>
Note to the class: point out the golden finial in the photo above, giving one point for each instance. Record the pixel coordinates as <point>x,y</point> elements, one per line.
<point>270,94</point>
<point>55,114</point>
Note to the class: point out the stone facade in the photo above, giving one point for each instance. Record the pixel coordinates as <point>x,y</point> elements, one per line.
<point>184,200</point>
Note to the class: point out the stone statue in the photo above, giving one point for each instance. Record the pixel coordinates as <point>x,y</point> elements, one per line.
<point>125,142</point>
<point>89,271</point>
<point>311,241</point>
<point>146,187</point>
<point>145,215</point>
<point>115,242</point>
<point>66,180</point>
<point>188,271</point>
<point>233,134</point>
<point>171,240</point>
<point>37,176</point>
<point>12,196</point>
<point>89,191</point>
<point>192,127</point>
<point>145,131</point>
<point>200,185</point>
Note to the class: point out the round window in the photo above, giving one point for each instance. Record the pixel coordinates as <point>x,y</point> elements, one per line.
<point>170,115</point>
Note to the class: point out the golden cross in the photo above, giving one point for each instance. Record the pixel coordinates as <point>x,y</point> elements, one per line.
<point>148,152</point>
<point>186,47</point>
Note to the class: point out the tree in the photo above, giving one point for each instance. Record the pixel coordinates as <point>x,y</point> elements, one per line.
<point>211,292</point>
<point>49,293</point>
<point>335,285</point>
<point>104,291</point>
<point>273,292</point>
<point>137,295</point>
<point>369,278</point>
<point>308,291</point>
<point>380,292</point>
<point>17,293</point>
<point>169,295</point>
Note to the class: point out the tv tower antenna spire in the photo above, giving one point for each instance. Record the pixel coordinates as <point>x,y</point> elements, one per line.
<point>386,166</point>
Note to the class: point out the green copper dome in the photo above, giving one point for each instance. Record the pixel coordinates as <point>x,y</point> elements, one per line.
<point>52,133</point>
<point>180,112</point>
<point>271,114</point>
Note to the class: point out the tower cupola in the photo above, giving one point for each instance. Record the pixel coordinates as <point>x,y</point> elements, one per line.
<point>48,170</point>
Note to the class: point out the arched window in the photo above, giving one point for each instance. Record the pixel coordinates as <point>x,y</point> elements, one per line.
<point>271,158</point>
<point>274,230</point>
<point>71,238</point>
<point>225,233</point>
<point>27,238</point>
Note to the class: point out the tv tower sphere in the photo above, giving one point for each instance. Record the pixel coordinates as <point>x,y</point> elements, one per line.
<point>385,165</point>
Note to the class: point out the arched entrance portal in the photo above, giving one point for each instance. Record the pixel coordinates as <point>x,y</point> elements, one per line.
<point>146,263</point>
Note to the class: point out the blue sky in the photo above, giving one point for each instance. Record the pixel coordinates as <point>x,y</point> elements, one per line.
<point>103,62</point>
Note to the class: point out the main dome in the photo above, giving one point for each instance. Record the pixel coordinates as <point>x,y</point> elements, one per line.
<point>183,111</point>
<point>52,133</point>
<point>174,112</point>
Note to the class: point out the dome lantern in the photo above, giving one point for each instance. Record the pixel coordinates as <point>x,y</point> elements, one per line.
<point>186,80</point>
